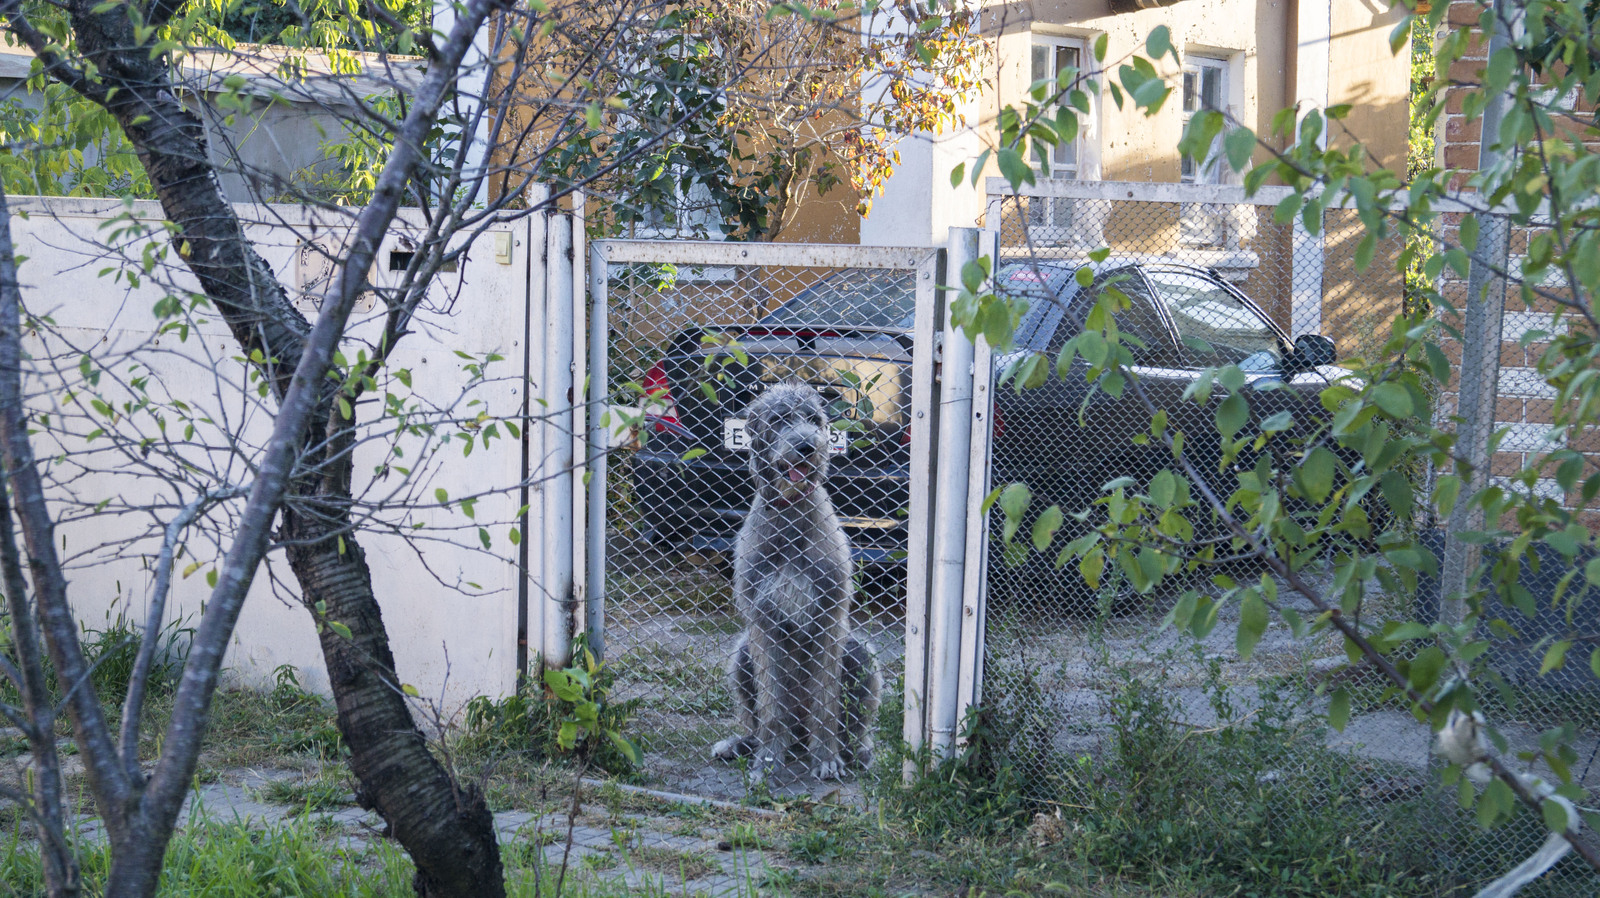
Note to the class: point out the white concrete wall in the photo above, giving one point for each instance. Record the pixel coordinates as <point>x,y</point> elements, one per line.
<point>449,605</point>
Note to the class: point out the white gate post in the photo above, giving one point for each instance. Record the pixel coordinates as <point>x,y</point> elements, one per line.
<point>555,466</point>
<point>531,555</point>
<point>919,507</point>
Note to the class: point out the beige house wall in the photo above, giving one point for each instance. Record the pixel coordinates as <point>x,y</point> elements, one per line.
<point>1375,82</point>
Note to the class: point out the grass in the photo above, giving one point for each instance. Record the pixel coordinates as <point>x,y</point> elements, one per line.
<point>1164,810</point>
<point>319,793</point>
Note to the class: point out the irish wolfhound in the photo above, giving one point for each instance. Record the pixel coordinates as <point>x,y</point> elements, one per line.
<point>800,677</point>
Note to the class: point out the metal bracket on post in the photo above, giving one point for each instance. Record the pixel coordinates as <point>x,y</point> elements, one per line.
<point>919,536</point>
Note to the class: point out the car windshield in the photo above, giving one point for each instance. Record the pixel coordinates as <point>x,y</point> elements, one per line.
<point>1215,327</point>
<point>856,297</point>
<point>1038,285</point>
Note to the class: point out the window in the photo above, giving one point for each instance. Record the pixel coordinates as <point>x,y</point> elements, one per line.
<point>1052,56</point>
<point>1058,221</point>
<point>1214,326</point>
<point>1205,86</point>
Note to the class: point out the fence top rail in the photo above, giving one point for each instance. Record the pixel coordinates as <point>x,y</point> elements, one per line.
<point>1140,191</point>
<point>1228,194</point>
<point>795,255</point>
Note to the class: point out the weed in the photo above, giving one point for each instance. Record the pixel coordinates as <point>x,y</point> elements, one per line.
<point>306,796</point>
<point>747,836</point>
<point>689,865</point>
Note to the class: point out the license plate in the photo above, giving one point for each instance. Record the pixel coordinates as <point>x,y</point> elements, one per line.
<point>734,436</point>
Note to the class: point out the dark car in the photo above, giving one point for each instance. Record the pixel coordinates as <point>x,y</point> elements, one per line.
<point>850,336</point>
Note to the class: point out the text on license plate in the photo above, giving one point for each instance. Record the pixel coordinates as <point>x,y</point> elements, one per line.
<point>734,436</point>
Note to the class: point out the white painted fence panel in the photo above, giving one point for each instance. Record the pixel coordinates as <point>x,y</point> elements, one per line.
<point>450,604</point>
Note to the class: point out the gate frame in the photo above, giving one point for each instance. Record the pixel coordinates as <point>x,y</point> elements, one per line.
<point>928,263</point>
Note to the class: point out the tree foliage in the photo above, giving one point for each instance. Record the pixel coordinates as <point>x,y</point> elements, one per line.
<point>1334,511</point>
<point>798,99</point>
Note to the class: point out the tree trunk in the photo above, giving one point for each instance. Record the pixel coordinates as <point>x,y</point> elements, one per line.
<point>449,834</point>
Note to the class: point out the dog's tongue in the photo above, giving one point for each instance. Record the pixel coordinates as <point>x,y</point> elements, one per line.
<point>797,473</point>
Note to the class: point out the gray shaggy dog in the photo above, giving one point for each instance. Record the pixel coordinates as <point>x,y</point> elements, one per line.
<point>800,677</point>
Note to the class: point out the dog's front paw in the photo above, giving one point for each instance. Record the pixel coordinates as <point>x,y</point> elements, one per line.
<point>733,748</point>
<point>830,768</point>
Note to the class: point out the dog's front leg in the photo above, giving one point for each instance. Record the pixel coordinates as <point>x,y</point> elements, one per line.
<point>827,748</point>
<point>776,690</point>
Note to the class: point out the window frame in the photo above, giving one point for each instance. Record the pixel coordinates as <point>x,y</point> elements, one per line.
<point>1210,170</point>
<point>1087,164</point>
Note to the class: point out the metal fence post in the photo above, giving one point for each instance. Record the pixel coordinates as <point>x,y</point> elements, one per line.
<point>600,428</point>
<point>950,518</point>
<point>556,462</point>
<point>974,587</point>
<point>1480,362</point>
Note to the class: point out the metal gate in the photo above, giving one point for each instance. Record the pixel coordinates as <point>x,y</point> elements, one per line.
<point>683,336</point>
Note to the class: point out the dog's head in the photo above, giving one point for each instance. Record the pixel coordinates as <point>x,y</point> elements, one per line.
<point>788,431</point>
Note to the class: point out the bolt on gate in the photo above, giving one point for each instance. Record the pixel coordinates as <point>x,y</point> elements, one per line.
<point>684,336</point>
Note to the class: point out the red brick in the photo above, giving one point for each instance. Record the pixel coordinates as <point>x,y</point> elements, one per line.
<point>1457,129</point>
<point>1464,156</point>
<point>1508,411</point>
<point>1466,71</point>
<point>1464,13</point>
<point>1539,411</point>
<point>1504,464</point>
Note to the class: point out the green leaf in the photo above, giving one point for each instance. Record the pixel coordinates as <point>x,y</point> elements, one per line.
<point>1469,232</point>
<point>1014,500</point>
<point>957,173</point>
<point>442,496</point>
<point>1100,47</point>
<point>1232,415</point>
<point>409,690</point>
<point>1393,398</point>
<point>1316,474</point>
<point>1159,43</point>
<point>1252,624</point>
<point>1339,709</point>
<point>190,570</point>
<point>1014,168</point>
<point>1555,815</point>
<point>1239,144</point>
<point>1555,656</point>
<point>339,628</point>
<point>1044,529</point>
<point>1163,489</point>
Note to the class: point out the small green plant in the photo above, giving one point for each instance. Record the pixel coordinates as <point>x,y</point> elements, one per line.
<point>305,725</point>
<point>571,715</point>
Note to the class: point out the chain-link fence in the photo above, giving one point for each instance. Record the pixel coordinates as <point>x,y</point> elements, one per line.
<point>775,382</point>
<point>1105,712</point>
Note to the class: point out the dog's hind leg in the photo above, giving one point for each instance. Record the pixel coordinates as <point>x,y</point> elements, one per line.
<point>742,686</point>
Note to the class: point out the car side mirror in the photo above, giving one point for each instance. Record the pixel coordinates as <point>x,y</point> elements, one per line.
<point>1311,351</point>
